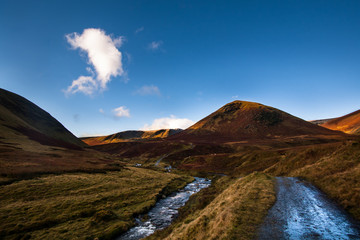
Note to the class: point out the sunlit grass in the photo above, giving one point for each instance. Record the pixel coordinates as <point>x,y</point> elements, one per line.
<point>233,213</point>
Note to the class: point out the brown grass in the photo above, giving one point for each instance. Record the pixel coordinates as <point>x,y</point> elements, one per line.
<point>81,205</point>
<point>233,214</point>
<point>26,159</point>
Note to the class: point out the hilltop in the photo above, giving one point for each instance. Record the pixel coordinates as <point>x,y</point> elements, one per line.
<point>242,120</point>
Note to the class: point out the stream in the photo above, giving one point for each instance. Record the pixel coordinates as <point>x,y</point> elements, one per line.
<point>164,211</point>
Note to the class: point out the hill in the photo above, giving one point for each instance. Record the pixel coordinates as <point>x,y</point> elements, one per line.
<point>241,120</point>
<point>349,123</point>
<point>320,121</point>
<point>33,142</point>
<point>130,136</point>
<point>21,120</point>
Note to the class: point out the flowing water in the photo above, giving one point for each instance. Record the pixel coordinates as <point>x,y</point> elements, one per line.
<point>165,211</point>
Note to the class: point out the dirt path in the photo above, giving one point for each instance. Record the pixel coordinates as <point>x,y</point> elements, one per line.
<point>301,211</point>
<point>160,159</point>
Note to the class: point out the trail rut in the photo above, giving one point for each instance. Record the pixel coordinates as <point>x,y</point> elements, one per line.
<point>302,211</point>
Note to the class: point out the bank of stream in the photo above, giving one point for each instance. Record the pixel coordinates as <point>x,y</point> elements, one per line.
<point>165,211</point>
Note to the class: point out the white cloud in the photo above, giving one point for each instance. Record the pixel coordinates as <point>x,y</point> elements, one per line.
<point>119,41</point>
<point>140,29</point>
<point>154,45</point>
<point>121,112</point>
<point>103,56</point>
<point>101,110</point>
<point>86,84</point>
<point>148,90</point>
<point>169,123</point>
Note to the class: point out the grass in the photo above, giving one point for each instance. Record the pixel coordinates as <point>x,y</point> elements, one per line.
<point>231,213</point>
<point>30,160</point>
<point>81,205</point>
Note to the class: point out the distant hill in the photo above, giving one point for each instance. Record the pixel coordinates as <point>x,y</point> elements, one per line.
<point>20,118</point>
<point>241,120</point>
<point>129,136</point>
<point>349,123</point>
<point>320,121</point>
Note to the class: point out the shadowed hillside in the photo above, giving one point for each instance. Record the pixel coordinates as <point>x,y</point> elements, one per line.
<point>33,142</point>
<point>130,136</point>
<point>20,117</point>
<point>241,120</point>
<point>349,123</point>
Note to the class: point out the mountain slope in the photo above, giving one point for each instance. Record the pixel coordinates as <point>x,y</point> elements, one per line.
<point>349,123</point>
<point>20,117</point>
<point>241,120</point>
<point>128,136</point>
<point>33,142</point>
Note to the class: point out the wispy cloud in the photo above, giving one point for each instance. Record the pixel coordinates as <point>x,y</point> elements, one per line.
<point>148,90</point>
<point>154,45</point>
<point>85,84</point>
<point>171,122</point>
<point>121,112</point>
<point>101,110</point>
<point>103,57</point>
<point>140,29</point>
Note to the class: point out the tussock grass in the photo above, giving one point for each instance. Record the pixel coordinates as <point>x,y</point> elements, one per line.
<point>234,214</point>
<point>81,205</point>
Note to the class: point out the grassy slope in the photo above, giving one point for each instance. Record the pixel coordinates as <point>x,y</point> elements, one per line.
<point>26,161</point>
<point>21,117</point>
<point>81,205</point>
<point>233,214</point>
<point>32,142</point>
<point>349,123</point>
<point>241,120</point>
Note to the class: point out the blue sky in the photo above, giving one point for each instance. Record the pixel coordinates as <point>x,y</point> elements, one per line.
<point>180,60</point>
